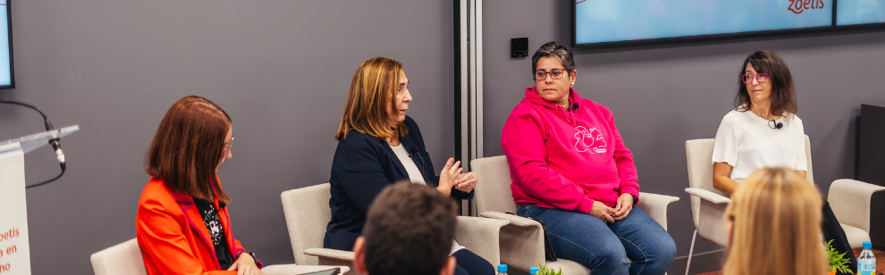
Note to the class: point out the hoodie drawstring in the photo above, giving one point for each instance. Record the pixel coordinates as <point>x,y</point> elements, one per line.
<point>569,116</point>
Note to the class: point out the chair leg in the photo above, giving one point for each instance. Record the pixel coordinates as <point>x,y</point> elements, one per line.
<point>691,251</point>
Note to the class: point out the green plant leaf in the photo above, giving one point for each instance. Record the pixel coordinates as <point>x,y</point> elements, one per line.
<point>544,270</point>
<point>838,262</point>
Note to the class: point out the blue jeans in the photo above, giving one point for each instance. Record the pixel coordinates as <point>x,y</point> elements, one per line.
<point>607,248</point>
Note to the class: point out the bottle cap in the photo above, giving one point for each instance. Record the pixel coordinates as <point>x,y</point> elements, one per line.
<point>533,270</point>
<point>502,268</point>
<point>867,245</point>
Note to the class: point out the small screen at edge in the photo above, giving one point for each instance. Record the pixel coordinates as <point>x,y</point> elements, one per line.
<point>5,65</point>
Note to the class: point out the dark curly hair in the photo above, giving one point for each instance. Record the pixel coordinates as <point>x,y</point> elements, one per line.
<point>783,93</point>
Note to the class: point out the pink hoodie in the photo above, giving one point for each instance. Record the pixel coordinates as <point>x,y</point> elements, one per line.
<point>566,159</point>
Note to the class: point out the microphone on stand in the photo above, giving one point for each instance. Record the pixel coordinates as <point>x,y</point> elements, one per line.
<point>59,155</point>
<point>55,142</point>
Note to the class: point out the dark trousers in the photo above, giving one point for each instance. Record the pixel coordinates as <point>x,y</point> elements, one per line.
<point>833,231</point>
<point>472,264</point>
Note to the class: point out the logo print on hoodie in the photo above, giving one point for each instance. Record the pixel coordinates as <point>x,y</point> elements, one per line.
<point>589,140</point>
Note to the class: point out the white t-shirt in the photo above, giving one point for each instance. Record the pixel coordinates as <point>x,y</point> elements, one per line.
<point>414,173</point>
<point>748,142</point>
<point>416,177</point>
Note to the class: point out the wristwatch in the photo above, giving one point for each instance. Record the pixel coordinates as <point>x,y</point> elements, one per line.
<point>255,258</point>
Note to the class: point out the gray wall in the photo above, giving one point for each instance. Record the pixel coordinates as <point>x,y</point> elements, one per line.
<point>662,96</point>
<point>281,69</point>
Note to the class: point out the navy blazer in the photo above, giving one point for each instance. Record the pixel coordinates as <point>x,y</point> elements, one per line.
<point>362,167</point>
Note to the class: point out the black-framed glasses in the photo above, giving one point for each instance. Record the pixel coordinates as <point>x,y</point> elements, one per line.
<point>761,78</point>
<point>555,74</point>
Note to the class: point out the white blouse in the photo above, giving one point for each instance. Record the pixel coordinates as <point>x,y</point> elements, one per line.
<point>748,142</point>
<point>414,173</point>
<point>416,177</point>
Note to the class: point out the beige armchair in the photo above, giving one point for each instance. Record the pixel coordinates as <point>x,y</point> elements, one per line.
<point>849,199</point>
<point>126,259</point>
<point>307,214</point>
<point>522,240</point>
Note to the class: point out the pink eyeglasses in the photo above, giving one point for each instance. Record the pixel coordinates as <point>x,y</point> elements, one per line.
<point>761,78</point>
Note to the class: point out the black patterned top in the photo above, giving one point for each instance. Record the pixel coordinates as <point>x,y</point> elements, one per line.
<point>216,232</point>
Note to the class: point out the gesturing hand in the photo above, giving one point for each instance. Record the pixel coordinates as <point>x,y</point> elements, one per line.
<point>625,204</point>
<point>602,212</point>
<point>448,175</point>
<point>245,265</point>
<point>466,182</point>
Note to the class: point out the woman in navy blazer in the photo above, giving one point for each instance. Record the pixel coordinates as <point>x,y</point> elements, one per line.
<point>379,145</point>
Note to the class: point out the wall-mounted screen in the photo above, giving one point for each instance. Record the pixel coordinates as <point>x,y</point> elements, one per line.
<point>855,12</point>
<point>601,21</point>
<point>6,79</point>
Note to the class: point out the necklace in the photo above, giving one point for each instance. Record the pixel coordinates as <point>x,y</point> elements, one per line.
<point>393,141</point>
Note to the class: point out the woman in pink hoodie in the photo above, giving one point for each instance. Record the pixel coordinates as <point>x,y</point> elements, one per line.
<point>571,169</point>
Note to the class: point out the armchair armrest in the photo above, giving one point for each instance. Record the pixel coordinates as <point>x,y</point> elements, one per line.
<point>513,219</point>
<point>286,269</point>
<point>481,236</point>
<point>330,254</point>
<point>655,206</point>
<point>850,201</point>
<point>522,240</point>
<point>709,219</point>
<point>708,196</point>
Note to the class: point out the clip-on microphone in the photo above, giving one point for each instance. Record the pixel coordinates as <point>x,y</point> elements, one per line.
<point>414,152</point>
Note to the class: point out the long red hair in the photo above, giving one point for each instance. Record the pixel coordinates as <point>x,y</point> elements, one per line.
<point>188,147</point>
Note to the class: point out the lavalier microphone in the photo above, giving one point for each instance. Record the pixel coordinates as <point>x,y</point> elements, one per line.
<point>415,153</point>
<point>775,125</point>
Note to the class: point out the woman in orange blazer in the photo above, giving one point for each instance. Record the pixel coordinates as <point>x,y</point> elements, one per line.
<point>183,225</point>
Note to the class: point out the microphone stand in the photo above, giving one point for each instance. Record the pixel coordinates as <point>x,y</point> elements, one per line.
<point>56,145</point>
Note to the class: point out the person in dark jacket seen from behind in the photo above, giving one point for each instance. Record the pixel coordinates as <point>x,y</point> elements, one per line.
<point>409,231</point>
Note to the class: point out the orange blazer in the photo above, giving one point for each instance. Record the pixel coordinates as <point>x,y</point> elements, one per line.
<point>173,237</point>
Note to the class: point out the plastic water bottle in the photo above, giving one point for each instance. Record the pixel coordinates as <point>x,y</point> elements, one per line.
<point>502,269</point>
<point>866,263</point>
<point>533,270</point>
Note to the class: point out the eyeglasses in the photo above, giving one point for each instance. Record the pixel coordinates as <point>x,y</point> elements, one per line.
<point>761,78</point>
<point>555,74</point>
<point>228,145</point>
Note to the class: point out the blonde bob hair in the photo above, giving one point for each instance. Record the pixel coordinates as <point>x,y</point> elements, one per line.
<point>776,226</point>
<point>371,100</point>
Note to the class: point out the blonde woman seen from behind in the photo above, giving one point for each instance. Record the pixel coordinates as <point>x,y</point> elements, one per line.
<point>774,226</point>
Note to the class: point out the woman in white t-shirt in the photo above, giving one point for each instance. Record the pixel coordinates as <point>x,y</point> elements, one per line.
<point>763,131</point>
